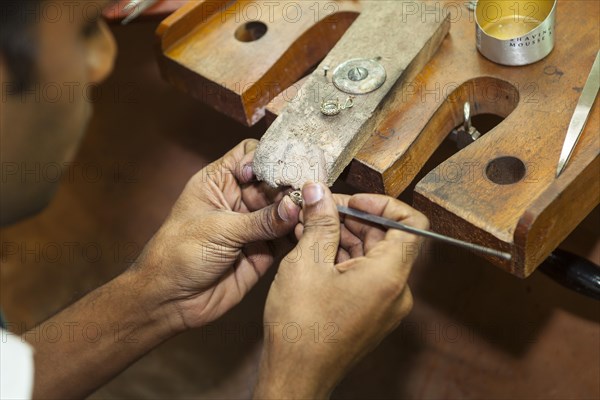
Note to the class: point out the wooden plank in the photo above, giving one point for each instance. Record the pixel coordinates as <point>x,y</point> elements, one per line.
<point>555,214</point>
<point>201,54</point>
<point>303,144</point>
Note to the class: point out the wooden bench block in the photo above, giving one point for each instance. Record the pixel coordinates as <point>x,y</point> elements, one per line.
<point>304,144</point>
<point>529,217</point>
<point>207,49</point>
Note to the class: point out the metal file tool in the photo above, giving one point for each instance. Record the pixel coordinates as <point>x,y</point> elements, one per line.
<point>296,197</point>
<point>388,223</point>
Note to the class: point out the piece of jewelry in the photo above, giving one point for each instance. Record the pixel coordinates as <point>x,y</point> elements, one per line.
<point>333,107</point>
<point>296,197</point>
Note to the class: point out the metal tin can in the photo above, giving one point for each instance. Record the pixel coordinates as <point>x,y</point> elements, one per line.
<point>515,32</point>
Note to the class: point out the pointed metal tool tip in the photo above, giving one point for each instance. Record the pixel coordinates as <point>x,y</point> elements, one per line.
<point>559,169</point>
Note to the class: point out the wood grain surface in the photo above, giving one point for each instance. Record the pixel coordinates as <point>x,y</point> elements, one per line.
<point>318,147</point>
<point>531,216</point>
<point>201,55</point>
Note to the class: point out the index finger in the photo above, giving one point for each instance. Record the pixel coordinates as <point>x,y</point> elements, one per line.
<point>387,207</point>
<point>238,161</point>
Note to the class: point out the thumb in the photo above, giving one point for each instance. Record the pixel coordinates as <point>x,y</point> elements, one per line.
<point>321,223</point>
<point>271,222</point>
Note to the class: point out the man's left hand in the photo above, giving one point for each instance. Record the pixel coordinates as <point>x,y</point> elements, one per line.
<point>214,247</point>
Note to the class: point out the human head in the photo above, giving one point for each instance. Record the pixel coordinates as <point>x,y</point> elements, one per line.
<point>50,54</point>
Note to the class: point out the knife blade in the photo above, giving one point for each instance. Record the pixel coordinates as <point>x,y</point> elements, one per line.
<point>580,116</point>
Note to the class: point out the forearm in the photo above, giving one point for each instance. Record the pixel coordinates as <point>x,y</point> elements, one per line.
<point>281,378</point>
<point>273,386</point>
<point>100,335</point>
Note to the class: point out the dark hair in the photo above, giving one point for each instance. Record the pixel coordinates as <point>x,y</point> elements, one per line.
<point>17,45</point>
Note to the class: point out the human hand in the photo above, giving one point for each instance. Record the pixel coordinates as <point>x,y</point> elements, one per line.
<point>214,246</point>
<point>336,295</point>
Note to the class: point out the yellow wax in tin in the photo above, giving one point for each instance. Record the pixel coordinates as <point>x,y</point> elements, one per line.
<point>510,27</point>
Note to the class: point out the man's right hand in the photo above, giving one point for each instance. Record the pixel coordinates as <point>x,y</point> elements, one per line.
<point>336,295</point>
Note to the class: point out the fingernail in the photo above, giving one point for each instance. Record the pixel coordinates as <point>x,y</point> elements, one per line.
<point>312,193</point>
<point>286,208</point>
<point>248,172</point>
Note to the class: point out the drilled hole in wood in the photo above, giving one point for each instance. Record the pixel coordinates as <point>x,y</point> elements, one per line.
<point>486,122</point>
<point>251,31</point>
<point>505,170</point>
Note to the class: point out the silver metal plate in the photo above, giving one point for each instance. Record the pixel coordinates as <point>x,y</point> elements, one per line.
<point>359,76</point>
